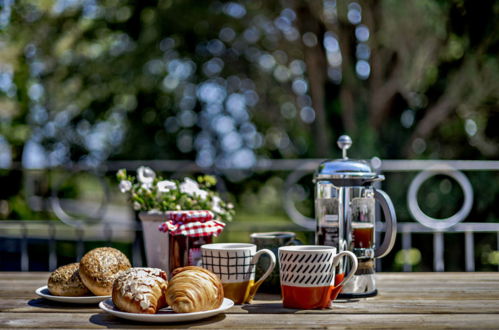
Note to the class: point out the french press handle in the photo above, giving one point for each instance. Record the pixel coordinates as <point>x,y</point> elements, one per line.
<point>391,223</point>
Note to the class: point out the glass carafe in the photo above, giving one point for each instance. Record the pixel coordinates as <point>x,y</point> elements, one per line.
<point>345,210</point>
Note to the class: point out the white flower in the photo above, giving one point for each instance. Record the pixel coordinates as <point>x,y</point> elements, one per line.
<point>217,209</point>
<point>216,205</point>
<point>146,186</point>
<point>216,200</point>
<point>203,194</point>
<point>125,186</point>
<point>189,186</point>
<point>136,206</point>
<point>145,175</point>
<point>165,186</point>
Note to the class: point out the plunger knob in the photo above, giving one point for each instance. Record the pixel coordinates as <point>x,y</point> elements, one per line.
<point>344,142</point>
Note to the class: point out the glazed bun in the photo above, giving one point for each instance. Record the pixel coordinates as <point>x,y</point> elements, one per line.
<point>140,290</point>
<point>100,267</point>
<point>66,281</point>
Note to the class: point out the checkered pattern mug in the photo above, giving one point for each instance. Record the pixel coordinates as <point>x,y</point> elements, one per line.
<point>308,275</point>
<point>235,264</point>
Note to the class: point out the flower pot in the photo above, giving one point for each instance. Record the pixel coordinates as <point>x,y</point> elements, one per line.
<point>155,242</point>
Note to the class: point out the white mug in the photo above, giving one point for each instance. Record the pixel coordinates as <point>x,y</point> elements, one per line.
<point>235,264</point>
<point>308,275</point>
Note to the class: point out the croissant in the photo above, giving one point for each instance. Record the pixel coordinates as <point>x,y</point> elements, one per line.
<point>194,289</point>
<point>140,290</point>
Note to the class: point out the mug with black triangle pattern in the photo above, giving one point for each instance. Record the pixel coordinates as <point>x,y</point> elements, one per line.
<point>308,275</point>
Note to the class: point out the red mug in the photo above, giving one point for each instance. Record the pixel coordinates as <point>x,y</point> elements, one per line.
<point>308,275</point>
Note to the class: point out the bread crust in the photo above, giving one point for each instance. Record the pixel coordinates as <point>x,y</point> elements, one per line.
<point>66,281</point>
<point>99,268</point>
<point>194,289</point>
<point>140,290</point>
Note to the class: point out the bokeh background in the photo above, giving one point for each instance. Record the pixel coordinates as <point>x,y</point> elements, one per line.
<point>235,85</point>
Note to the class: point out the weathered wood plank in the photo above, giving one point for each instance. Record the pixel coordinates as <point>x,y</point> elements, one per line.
<point>421,306</point>
<point>436,292</point>
<point>438,275</point>
<point>24,275</point>
<point>406,300</point>
<point>382,281</point>
<point>360,306</point>
<point>268,321</point>
<point>385,276</point>
<point>41,305</point>
<point>491,291</point>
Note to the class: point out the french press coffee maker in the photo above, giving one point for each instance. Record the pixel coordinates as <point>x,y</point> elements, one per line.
<point>345,211</point>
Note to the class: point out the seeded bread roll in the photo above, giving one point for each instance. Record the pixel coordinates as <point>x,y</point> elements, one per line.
<point>100,267</point>
<point>140,290</point>
<point>66,281</point>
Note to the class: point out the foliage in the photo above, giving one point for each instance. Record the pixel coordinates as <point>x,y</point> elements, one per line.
<point>149,192</point>
<point>228,83</point>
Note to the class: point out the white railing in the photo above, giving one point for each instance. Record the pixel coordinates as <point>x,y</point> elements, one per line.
<point>298,168</point>
<point>49,232</point>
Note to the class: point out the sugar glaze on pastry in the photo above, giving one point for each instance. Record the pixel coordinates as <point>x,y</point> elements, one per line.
<point>140,290</point>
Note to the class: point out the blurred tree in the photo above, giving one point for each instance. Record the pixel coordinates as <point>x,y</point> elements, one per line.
<point>417,77</point>
<point>227,83</point>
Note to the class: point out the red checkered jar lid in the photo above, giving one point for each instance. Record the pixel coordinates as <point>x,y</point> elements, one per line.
<point>192,223</point>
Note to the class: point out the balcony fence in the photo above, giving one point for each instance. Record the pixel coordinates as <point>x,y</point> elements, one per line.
<point>17,237</point>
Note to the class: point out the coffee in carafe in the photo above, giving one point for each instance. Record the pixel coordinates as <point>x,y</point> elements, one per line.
<point>363,222</point>
<point>362,235</point>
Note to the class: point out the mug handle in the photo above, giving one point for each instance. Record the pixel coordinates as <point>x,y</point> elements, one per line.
<point>269,270</point>
<point>294,242</point>
<point>353,267</point>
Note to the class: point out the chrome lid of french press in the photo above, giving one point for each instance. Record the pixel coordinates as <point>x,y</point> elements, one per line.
<point>345,170</point>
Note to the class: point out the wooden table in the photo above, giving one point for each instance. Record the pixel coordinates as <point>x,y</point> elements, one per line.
<point>406,300</point>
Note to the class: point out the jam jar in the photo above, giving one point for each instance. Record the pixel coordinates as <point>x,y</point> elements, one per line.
<point>187,232</point>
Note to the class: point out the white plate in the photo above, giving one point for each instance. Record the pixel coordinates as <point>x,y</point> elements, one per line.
<point>165,314</point>
<point>45,293</point>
